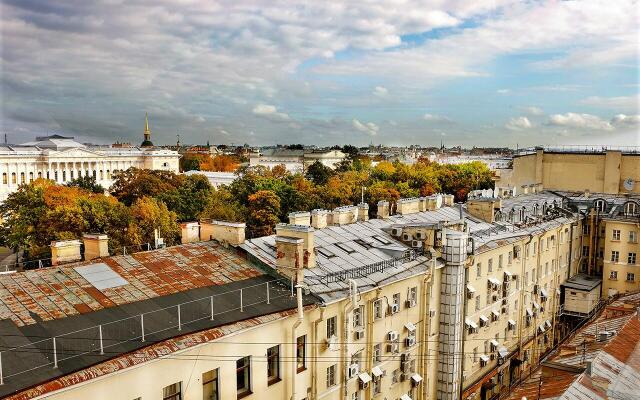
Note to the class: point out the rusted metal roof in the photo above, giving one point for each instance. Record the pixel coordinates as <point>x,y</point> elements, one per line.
<point>59,292</point>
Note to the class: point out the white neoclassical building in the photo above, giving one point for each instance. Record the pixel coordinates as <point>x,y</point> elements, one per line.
<point>62,159</point>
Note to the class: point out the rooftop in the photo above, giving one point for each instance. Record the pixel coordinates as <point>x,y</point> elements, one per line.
<point>583,282</point>
<point>170,292</point>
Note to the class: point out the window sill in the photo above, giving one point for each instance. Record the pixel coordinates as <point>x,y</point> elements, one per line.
<point>273,381</point>
<point>302,369</point>
<point>244,394</point>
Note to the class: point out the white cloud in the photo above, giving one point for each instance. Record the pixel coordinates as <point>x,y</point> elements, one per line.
<point>617,103</point>
<point>436,118</point>
<point>580,121</point>
<point>518,123</point>
<point>622,120</point>
<point>533,110</point>
<point>503,91</point>
<point>369,128</point>
<point>270,112</point>
<point>380,91</point>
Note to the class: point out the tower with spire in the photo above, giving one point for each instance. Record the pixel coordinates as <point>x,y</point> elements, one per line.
<point>147,132</point>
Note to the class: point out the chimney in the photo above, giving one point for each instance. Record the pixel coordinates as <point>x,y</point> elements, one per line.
<point>484,208</point>
<point>64,251</point>
<point>190,232</point>
<point>408,206</point>
<point>587,193</point>
<point>305,233</point>
<point>290,256</point>
<point>319,218</point>
<point>448,200</point>
<point>300,218</point>
<point>96,245</point>
<point>363,212</point>
<point>383,209</point>
<point>222,231</point>
<point>422,204</point>
<point>344,215</point>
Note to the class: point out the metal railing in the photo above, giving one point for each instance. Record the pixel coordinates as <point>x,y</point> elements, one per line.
<point>136,330</point>
<point>366,270</point>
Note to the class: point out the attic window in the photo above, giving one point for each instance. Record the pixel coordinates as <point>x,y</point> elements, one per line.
<point>345,247</point>
<point>326,252</point>
<point>381,239</point>
<point>363,243</point>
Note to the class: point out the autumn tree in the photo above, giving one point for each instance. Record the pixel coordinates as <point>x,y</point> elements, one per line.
<point>190,162</point>
<point>222,205</point>
<point>87,183</point>
<point>147,215</point>
<point>263,211</point>
<point>134,184</point>
<point>188,199</point>
<point>220,163</point>
<point>318,173</point>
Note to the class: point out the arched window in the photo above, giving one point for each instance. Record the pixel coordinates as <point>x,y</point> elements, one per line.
<point>600,205</point>
<point>631,208</point>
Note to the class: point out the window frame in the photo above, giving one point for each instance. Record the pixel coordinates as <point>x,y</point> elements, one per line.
<point>246,370</point>
<point>215,381</point>
<point>177,395</point>
<point>301,353</point>
<point>273,359</point>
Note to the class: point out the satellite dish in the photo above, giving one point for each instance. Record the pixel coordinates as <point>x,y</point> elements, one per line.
<point>628,184</point>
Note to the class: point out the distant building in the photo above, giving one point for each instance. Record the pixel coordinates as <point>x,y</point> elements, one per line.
<point>602,170</point>
<point>216,179</point>
<point>62,159</point>
<point>295,160</point>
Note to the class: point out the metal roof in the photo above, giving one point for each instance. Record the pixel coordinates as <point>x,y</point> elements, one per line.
<point>583,282</point>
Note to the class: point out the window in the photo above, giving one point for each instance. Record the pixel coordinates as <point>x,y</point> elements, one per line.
<point>585,251</point>
<point>478,270</point>
<point>4,178</point>
<point>301,349</point>
<point>477,302</point>
<point>633,237</point>
<point>377,353</point>
<point>616,234</point>
<point>500,261</point>
<point>631,258</point>
<point>535,248</point>
<point>377,309</point>
<point>14,179</point>
<point>631,276</point>
<point>412,297</point>
<point>331,375</point>
<point>358,317</point>
<point>243,376</point>
<point>356,359</point>
<point>377,385</point>
<point>615,256</point>
<point>210,389</point>
<point>510,258</point>
<point>273,364</point>
<point>475,354</point>
<point>600,205</point>
<point>630,208</point>
<point>331,327</point>
<point>172,392</point>
<point>395,377</point>
<point>490,265</point>
<point>613,275</point>
<point>396,302</point>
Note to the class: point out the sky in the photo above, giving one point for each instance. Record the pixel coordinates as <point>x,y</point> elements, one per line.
<point>465,72</point>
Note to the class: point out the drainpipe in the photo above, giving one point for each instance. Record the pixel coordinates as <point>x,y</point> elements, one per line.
<point>353,291</point>
<point>294,366</point>
<point>314,365</point>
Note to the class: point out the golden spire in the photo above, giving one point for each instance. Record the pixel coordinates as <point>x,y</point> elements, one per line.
<point>147,132</point>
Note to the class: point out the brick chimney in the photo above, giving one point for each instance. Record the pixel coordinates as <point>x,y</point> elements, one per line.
<point>96,245</point>
<point>306,233</point>
<point>319,218</point>
<point>64,251</point>
<point>300,218</point>
<point>290,256</point>
<point>223,231</point>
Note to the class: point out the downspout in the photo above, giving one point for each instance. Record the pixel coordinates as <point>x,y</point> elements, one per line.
<point>294,366</point>
<point>349,307</point>
<point>314,365</point>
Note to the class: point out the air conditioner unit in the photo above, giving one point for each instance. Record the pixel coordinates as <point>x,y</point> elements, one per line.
<point>353,370</point>
<point>364,385</point>
<point>406,237</point>
<point>359,334</point>
<point>392,336</point>
<point>483,363</point>
<point>410,303</point>
<point>394,308</point>
<point>393,348</point>
<point>470,294</point>
<point>410,341</point>
<point>396,232</point>
<point>332,343</point>
<point>416,244</point>
<point>420,235</point>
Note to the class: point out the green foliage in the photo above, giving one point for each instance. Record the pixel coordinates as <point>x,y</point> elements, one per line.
<point>221,205</point>
<point>263,211</point>
<point>87,183</point>
<point>147,215</point>
<point>134,184</point>
<point>318,173</point>
<point>189,198</point>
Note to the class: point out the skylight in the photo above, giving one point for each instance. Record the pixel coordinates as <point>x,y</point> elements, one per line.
<point>101,276</point>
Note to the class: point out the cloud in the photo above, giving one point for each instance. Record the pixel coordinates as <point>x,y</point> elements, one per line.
<point>518,124</point>
<point>503,91</point>
<point>581,121</point>
<point>436,118</point>
<point>532,110</point>
<point>369,128</point>
<point>617,103</point>
<point>380,91</point>
<point>621,120</point>
<point>270,112</point>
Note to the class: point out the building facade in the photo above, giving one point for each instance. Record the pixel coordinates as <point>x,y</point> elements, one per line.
<point>295,160</point>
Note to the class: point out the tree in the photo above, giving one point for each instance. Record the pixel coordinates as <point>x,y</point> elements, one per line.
<point>190,162</point>
<point>219,163</point>
<point>350,150</point>
<point>263,210</point>
<point>318,173</point>
<point>134,184</point>
<point>189,199</point>
<point>87,183</point>
<point>147,215</point>
<point>221,205</point>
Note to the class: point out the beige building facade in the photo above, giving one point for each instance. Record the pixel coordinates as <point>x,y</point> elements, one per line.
<point>601,171</point>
